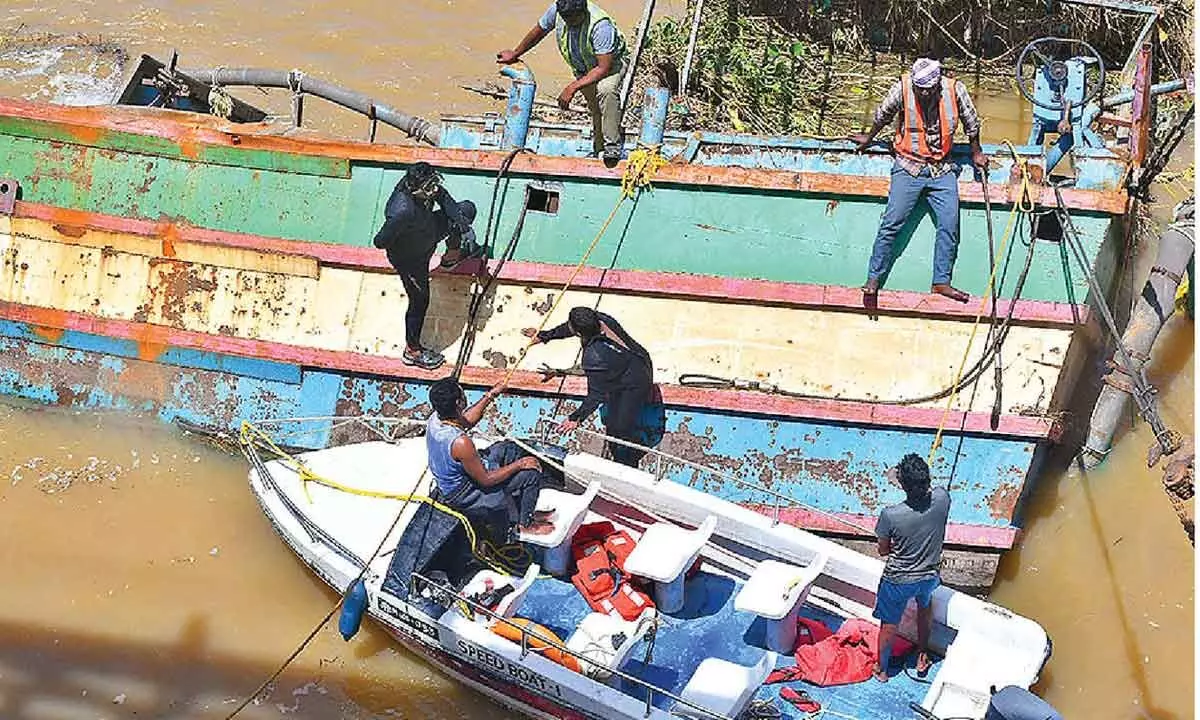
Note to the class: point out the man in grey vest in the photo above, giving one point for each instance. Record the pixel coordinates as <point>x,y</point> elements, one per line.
<point>594,48</point>
<point>910,537</point>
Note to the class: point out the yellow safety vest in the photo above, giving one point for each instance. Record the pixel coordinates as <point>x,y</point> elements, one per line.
<point>588,53</point>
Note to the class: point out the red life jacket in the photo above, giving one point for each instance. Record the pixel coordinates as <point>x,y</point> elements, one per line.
<point>847,656</point>
<point>600,551</point>
<point>911,141</point>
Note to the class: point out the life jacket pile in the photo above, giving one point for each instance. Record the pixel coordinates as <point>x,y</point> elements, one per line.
<point>600,551</point>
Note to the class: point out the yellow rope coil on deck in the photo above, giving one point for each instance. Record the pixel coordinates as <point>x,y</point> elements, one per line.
<point>643,164</point>
<point>1023,204</point>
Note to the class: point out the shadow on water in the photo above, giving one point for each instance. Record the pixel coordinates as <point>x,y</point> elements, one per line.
<point>51,673</point>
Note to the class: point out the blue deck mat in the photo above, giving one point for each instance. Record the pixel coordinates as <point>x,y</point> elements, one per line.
<point>709,626</point>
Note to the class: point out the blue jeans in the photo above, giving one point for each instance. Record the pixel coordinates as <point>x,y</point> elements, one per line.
<point>942,194</point>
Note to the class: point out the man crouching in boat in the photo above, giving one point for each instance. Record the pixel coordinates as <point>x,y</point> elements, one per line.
<point>910,536</point>
<point>411,232</point>
<point>499,489</point>
<point>928,108</point>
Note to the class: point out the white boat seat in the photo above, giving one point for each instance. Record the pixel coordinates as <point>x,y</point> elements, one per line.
<point>665,550</point>
<point>663,553</point>
<point>722,687</point>
<point>597,639</point>
<point>510,604</point>
<point>569,511</point>
<point>775,591</point>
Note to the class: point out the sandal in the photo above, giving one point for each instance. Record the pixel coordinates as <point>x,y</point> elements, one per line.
<point>800,700</point>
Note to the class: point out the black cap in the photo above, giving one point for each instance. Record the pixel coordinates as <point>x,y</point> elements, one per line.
<point>570,7</point>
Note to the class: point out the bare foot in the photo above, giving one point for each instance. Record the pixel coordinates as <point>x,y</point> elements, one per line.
<point>871,287</point>
<point>951,292</point>
<point>923,663</point>
<point>537,527</point>
<point>880,674</point>
<point>543,514</point>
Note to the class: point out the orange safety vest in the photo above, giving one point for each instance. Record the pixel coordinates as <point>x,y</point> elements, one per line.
<point>910,139</point>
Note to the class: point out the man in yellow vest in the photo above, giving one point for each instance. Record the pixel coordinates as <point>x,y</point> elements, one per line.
<point>594,48</point>
<point>927,108</point>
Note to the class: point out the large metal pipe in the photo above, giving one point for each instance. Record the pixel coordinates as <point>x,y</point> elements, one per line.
<point>1126,97</point>
<point>296,81</point>
<point>520,105</point>
<point>1176,248</point>
<point>654,115</point>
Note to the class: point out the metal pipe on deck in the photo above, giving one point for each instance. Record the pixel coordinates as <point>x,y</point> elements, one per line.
<point>654,115</point>
<point>519,107</point>
<point>1177,247</point>
<point>298,82</point>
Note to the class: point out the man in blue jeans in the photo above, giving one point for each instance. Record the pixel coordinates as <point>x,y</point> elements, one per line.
<point>927,108</point>
<point>910,537</point>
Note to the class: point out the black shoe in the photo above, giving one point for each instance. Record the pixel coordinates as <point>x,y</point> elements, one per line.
<point>425,359</point>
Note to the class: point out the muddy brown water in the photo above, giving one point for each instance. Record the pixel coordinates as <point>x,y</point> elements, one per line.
<point>141,579</point>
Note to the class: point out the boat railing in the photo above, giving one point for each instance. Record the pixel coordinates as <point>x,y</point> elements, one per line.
<point>651,689</point>
<point>663,461</point>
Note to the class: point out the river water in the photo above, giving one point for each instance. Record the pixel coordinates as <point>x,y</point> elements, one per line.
<point>143,581</point>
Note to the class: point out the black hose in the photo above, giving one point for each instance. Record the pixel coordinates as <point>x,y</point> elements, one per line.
<point>298,82</point>
<point>997,402</point>
<point>715,382</point>
<point>468,343</point>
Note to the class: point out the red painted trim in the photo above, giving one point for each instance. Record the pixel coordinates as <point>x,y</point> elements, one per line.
<point>191,131</point>
<point>661,284</point>
<point>989,536</point>
<point>739,401</point>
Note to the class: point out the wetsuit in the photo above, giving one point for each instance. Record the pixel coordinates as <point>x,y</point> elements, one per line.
<point>411,232</point>
<point>621,376</point>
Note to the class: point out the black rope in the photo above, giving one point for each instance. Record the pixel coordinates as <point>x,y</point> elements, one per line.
<point>1162,153</point>
<point>468,343</point>
<point>1143,393</point>
<point>704,380</point>
<point>332,611</point>
<point>999,377</point>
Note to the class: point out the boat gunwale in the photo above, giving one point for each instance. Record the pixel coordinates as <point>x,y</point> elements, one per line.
<point>87,126</point>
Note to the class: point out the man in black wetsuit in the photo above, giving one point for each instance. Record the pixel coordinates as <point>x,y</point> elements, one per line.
<point>411,232</point>
<point>619,373</point>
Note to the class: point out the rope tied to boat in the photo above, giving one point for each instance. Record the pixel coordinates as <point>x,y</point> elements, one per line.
<point>643,164</point>
<point>1024,204</point>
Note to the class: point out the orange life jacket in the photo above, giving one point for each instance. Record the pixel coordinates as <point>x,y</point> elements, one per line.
<point>599,552</point>
<point>910,139</point>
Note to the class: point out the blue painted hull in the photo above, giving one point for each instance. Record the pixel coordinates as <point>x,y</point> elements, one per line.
<point>835,468</point>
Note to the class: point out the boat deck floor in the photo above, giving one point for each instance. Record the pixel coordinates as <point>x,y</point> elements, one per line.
<point>709,626</point>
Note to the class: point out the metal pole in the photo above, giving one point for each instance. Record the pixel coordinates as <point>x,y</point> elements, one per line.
<point>691,49</point>
<point>630,71</point>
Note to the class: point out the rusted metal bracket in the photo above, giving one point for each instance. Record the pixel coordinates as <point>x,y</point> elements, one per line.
<point>8,195</point>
